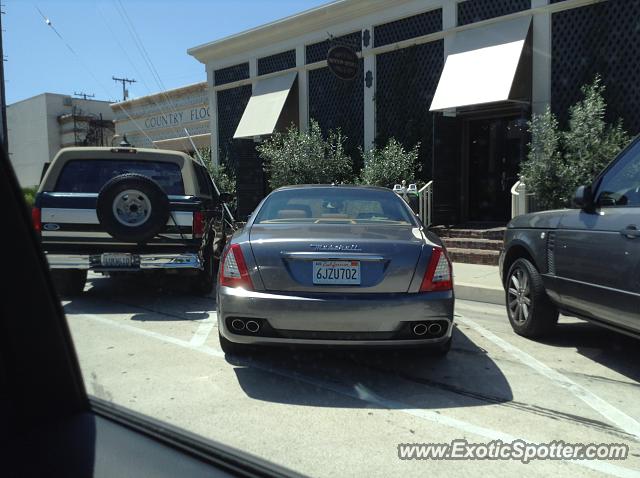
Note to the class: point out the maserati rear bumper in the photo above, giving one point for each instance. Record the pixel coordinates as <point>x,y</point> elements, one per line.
<point>346,319</point>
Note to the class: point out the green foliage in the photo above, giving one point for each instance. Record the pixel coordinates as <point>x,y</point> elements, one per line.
<point>224,179</point>
<point>30,195</point>
<point>560,161</point>
<point>390,165</point>
<point>296,157</point>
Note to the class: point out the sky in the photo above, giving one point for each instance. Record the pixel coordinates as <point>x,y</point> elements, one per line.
<point>89,41</point>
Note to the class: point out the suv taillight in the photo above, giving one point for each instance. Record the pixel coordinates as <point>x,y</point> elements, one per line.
<point>439,275</point>
<point>233,271</point>
<point>36,219</point>
<point>198,224</point>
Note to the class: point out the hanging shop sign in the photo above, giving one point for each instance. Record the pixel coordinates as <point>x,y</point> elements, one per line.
<point>343,62</point>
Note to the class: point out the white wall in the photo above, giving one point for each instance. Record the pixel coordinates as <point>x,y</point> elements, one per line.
<point>34,132</point>
<point>28,136</point>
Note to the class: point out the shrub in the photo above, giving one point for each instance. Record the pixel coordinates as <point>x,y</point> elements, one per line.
<point>30,195</point>
<point>296,157</point>
<point>390,165</point>
<point>224,179</point>
<point>560,161</point>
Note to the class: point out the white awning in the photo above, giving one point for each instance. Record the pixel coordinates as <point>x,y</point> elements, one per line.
<point>265,106</point>
<point>182,143</point>
<point>482,65</point>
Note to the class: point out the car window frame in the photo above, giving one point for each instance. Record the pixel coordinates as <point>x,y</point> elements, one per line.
<point>597,185</point>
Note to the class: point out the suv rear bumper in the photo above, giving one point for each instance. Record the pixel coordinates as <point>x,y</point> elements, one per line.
<point>185,260</point>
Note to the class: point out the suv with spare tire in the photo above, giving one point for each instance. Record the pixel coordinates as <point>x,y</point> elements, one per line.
<point>128,209</point>
<point>582,262</point>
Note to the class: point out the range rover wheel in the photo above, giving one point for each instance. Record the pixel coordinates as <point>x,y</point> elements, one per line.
<point>132,208</point>
<point>69,282</point>
<point>530,311</point>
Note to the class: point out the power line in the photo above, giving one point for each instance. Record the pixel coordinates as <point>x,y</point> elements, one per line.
<point>95,78</point>
<point>124,81</point>
<point>145,56</point>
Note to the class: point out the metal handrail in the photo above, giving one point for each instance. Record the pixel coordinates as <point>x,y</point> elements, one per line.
<point>425,202</point>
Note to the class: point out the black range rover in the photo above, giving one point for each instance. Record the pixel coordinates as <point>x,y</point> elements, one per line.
<point>582,262</point>
<point>128,210</point>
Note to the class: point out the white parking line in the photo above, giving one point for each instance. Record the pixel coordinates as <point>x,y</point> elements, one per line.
<point>202,332</point>
<point>359,392</point>
<point>619,418</point>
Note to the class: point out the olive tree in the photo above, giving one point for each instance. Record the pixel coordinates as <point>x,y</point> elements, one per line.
<point>560,161</point>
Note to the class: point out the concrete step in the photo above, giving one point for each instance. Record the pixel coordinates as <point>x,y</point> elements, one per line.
<point>472,243</point>
<point>474,256</point>
<point>495,234</point>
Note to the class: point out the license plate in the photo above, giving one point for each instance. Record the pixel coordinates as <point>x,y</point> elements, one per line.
<point>336,272</point>
<point>116,260</point>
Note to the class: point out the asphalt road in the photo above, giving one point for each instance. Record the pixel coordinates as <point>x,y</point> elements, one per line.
<point>153,347</point>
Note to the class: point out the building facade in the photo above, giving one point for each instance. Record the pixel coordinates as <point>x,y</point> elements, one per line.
<point>461,78</point>
<point>39,126</point>
<point>163,119</point>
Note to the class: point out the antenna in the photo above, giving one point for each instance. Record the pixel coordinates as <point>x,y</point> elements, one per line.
<point>84,95</point>
<point>124,81</point>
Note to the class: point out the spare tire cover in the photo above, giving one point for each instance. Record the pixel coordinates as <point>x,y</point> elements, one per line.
<point>132,208</point>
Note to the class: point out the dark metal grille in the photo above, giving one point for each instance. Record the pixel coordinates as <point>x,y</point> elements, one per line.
<point>415,26</point>
<point>318,51</point>
<point>603,38</point>
<point>477,10</point>
<point>406,82</point>
<point>336,103</point>
<point>231,74</point>
<point>277,62</point>
<point>231,105</point>
<point>551,245</point>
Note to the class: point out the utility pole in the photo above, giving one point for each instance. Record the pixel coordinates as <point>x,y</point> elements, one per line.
<point>84,95</point>
<point>125,93</point>
<point>3,102</point>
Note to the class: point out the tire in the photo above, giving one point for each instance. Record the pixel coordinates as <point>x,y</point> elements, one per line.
<point>232,348</point>
<point>530,311</point>
<point>132,208</point>
<point>69,282</point>
<point>205,280</point>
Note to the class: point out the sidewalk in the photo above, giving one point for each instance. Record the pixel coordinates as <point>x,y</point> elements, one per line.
<point>478,282</point>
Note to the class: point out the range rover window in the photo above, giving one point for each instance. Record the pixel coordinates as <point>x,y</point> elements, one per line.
<point>620,186</point>
<point>89,175</point>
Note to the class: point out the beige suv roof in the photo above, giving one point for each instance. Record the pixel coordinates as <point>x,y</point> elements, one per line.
<point>65,155</point>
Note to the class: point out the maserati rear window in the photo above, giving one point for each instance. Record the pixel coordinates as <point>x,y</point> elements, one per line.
<point>89,175</point>
<point>334,205</point>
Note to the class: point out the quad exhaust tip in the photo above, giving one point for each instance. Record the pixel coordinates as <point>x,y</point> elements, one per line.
<point>252,326</point>
<point>435,329</point>
<point>237,324</point>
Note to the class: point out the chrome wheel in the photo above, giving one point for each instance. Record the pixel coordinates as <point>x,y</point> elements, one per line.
<point>131,208</point>
<point>519,295</point>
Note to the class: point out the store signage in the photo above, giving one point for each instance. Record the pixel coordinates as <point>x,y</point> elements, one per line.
<point>177,118</point>
<point>343,62</point>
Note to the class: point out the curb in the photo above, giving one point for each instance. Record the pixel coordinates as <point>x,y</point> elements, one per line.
<point>479,293</point>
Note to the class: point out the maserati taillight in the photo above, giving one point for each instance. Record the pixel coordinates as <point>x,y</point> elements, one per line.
<point>234,272</point>
<point>439,275</point>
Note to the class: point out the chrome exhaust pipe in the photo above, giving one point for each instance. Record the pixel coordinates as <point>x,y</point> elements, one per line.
<point>237,324</point>
<point>435,329</point>
<point>252,326</point>
<point>419,329</point>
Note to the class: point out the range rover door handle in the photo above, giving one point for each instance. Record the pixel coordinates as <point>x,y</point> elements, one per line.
<point>630,232</point>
